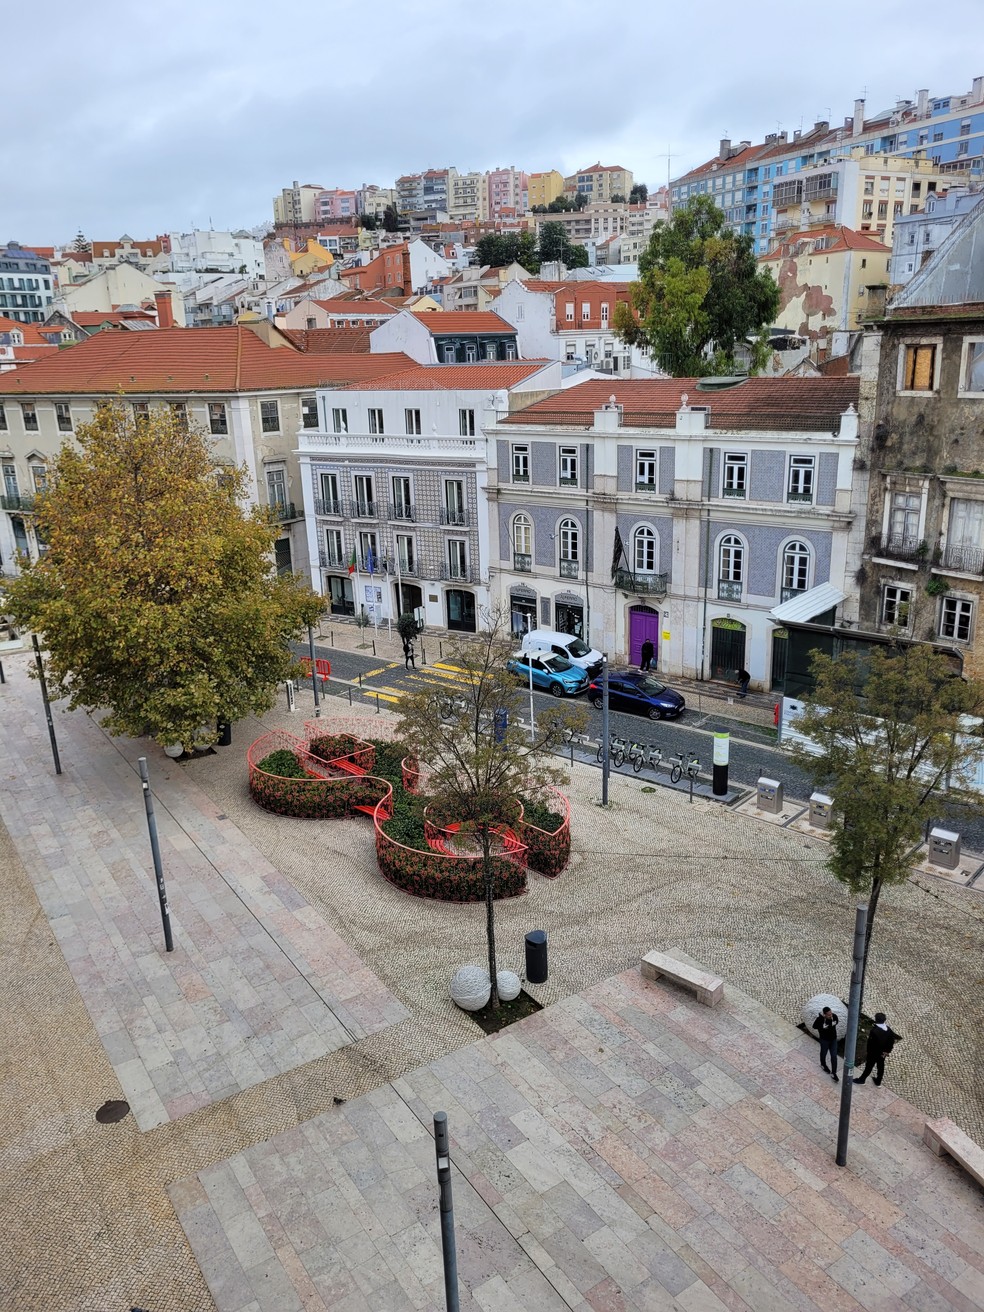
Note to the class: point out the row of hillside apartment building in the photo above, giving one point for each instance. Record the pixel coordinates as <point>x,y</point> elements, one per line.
<point>700,515</point>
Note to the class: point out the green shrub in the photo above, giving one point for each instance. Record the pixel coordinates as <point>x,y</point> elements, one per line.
<point>539,814</point>
<point>284,764</point>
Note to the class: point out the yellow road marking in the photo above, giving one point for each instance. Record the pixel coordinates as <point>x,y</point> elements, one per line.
<point>383,696</point>
<point>444,676</point>
<point>371,674</point>
<point>440,665</point>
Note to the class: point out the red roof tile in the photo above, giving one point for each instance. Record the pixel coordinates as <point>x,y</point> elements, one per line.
<point>439,322</point>
<point>29,331</point>
<point>810,404</point>
<point>92,318</point>
<point>317,341</point>
<point>191,360</point>
<point>842,239</point>
<point>457,377</point>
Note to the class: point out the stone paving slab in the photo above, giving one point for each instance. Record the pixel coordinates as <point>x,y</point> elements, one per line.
<point>626,1148</point>
<point>257,984</point>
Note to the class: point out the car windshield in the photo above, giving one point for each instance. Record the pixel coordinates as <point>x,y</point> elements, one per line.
<point>577,648</point>
<point>652,686</point>
<point>558,663</point>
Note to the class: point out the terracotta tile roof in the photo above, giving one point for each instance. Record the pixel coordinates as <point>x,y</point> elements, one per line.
<point>838,367</point>
<point>367,307</point>
<point>93,318</point>
<point>458,377</point>
<point>191,360</point>
<point>318,341</point>
<point>30,331</point>
<point>840,239</point>
<point>809,404</point>
<point>440,322</point>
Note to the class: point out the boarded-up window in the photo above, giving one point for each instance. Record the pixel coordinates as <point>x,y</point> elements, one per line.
<point>920,368</point>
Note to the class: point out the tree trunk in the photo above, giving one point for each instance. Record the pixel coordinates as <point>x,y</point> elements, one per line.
<point>489,878</point>
<point>876,886</point>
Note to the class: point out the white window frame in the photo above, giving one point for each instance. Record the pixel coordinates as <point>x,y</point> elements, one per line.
<point>521,533</point>
<point>406,483</point>
<point>466,423</point>
<point>569,312</point>
<point>309,412</point>
<point>568,466</point>
<point>963,605</point>
<point>519,454</point>
<point>965,350</point>
<point>801,479</point>
<point>411,418</point>
<point>456,555</point>
<point>270,424</point>
<point>733,462</point>
<point>276,481</point>
<point>329,482</point>
<point>645,459</point>
<point>606,310</point>
<point>339,420</point>
<point>731,559</point>
<point>892,602</point>
<point>799,554</point>
<point>218,419</point>
<point>913,343</point>
<point>406,552</point>
<point>333,539</point>
<point>367,496</point>
<point>569,539</point>
<point>645,541</point>
<point>375,420</point>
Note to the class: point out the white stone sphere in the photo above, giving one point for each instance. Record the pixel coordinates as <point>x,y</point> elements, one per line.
<point>812,1009</point>
<point>508,984</point>
<point>471,988</point>
<point>174,750</point>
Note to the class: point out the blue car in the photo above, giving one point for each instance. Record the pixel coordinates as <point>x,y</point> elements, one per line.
<point>553,674</point>
<point>641,692</point>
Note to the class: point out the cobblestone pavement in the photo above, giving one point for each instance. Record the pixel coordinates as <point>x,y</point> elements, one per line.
<point>82,1206</point>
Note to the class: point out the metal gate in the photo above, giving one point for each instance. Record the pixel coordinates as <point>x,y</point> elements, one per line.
<point>727,649</point>
<point>780,650</point>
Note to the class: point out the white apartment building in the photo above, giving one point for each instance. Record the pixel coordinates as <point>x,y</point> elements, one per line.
<point>207,251</point>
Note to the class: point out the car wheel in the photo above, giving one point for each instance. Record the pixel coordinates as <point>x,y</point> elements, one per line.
<point>556,690</point>
<point>655,713</point>
<point>597,703</point>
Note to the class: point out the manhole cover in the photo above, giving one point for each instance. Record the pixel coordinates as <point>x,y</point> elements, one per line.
<point>113,1110</point>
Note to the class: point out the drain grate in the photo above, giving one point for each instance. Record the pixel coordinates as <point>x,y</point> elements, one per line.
<point>112,1111</point>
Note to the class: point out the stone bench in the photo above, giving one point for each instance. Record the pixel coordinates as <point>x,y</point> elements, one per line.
<point>708,988</point>
<point>943,1136</point>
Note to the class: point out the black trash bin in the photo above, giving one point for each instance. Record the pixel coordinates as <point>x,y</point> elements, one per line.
<point>536,956</point>
<point>224,729</point>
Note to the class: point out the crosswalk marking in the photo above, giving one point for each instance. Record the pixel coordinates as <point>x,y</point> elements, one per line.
<point>381,696</point>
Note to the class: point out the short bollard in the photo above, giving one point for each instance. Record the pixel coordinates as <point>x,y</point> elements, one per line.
<point>944,849</point>
<point>377,703</point>
<point>536,956</point>
<point>289,689</point>
<point>820,808</point>
<point>769,796</point>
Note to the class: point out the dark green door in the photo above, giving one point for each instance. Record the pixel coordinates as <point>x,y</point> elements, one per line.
<point>727,649</point>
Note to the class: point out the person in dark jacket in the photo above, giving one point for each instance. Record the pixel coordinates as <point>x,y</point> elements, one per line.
<point>826,1026</point>
<point>744,679</point>
<point>881,1041</point>
<point>409,655</point>
<point>646,655</point>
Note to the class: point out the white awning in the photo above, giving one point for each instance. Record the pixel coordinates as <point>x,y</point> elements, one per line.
<point>806,606</point>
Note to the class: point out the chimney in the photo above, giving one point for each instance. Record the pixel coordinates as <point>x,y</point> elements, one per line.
<point>783,135</point>
<point>609,418</point>
<point>743,145</point>
<point>821,125</point>
<point>797,133</point>
<point>165,311</point>
<point>724,150</point>
<point>977,90</point>
<point>922,102</point>
<point>858,124</point>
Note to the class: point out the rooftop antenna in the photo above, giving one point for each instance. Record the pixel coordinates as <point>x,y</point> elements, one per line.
<point>668,155</point>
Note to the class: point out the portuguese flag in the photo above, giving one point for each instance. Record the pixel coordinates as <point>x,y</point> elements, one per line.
<point>352,562</point>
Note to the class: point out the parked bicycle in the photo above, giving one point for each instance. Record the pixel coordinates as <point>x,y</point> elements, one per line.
<point>651,759</point>
<point>636,755</point>
<point>616,750</point>
<point>688,765</point>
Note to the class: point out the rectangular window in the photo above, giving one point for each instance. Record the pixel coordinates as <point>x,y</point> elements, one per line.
<point>454,502</point>
<point>218,421</point>
<point>521,464</point>
<point>903,523</point>
<point>309,412</point>
<point>956,619</point>
<point>800,478</point>
<point>3,418</point>
<point>333,547</point>
<point>30,416</point>
<point>179,413</point>
<point>646,470</point>
<point>39,477</point>
<point>466,423</point>
<point>375,421</point>
<point>735,474</point>
<point>368,551</point>
<point>972,370</point>
<point>339,421</point>
<point>919,368</point>
<point>605,308</point>
<point>569,312</point>
<point>883,209</point>
<point>570,350</point>
<point>402,500</point>
<point>365,501</point>
<point>412,420</point>
<point>276,488</point>
<point>270,416</point>
<point>568,466</point>
<point>406,554</point>
<point>10,488</point>
<point>457,558</point>
<point>895,606</point>
<point>63,414</point>
<point>330,502</point>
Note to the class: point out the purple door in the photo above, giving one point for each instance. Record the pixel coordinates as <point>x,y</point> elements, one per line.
<point>643,624</point>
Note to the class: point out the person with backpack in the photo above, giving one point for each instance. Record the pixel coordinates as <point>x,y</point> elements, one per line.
<point>826,1026</point>
<point>409,655</point>
<point>881,1040</point>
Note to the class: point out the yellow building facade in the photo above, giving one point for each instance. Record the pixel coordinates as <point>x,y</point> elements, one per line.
<point>824,276</point>
<point>544,187</point>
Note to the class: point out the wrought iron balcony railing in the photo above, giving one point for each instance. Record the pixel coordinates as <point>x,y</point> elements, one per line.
<point>522,563</point>
<point>729,590</point>
<point>633,581</point>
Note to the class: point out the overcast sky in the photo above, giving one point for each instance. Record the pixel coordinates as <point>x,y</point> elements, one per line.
<point>131,117</point>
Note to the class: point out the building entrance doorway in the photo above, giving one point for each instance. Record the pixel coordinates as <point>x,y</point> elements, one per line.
<point>461,610</point>
<point>643,627</point>
<point>570,618</point>
<point>727,649</point>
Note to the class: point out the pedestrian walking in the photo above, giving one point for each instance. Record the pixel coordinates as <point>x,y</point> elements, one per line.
<point>881,1040</point>
<point>743,680</point>
<point>826,1026</point>
<point>409,656</point>
<point>646,655</point>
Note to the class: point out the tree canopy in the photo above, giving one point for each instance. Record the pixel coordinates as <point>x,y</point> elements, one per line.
<point>639,194</point>
<point>530,249</point>
<point>156,598</point>
<point>890,732</point>
<point>391,218</point>
<point>699,295</point>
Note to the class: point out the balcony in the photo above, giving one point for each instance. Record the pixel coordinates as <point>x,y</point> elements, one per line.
<point>569,569</point>
<point>329,560</point>
<point>458,572</point>
<point>362,509</point>
<point>16,502</point>
<point>646,487</point>
<point>729,589</point>
<point>965,560</point>
<point>520,478</point>
<point>786,594</point>
<point>568,482</point>
<point>894,546</point>
<point>805,497</point>
<point>651,584</point>
<point>738,493</point>
<point>409,569</point>
<point>453,517</point>
<point>284,510</point>
<point>522,563</point>
<point>404,511</point>
<point>327,507</point>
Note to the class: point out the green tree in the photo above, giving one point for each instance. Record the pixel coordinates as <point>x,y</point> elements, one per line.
<point>528,252</point>
<point>560,205</point>
<point>639,194</point>
<point>369,221</point>
<point>496,249</point>
<point>687,336</point>
<point>580,200</point>
<point>889,736</point>
<point>618,198</point>
<point>481,761</point>
<point>81,242</point>
<point>577,257</point>
<point>391,218</point>
<point>156,598</point>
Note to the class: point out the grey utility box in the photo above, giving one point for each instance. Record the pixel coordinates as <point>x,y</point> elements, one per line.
<point>820,808</point>
<point>944,849</point>
<point>769,797</point>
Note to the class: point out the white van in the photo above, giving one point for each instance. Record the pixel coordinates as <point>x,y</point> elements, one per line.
<point>564,644</point>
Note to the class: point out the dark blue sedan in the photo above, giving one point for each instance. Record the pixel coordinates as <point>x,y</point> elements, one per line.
<point>640,692</point>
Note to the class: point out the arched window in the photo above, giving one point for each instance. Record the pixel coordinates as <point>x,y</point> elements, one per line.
<point>644,551</point>
<point>570,540</point>
<point>795,567</point>
<point>732,560</point>
<point>522,535</point>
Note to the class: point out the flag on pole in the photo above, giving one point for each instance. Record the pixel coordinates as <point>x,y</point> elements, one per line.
<point>370,562</point>
<point>352,562</point>
<point>619,552</point>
